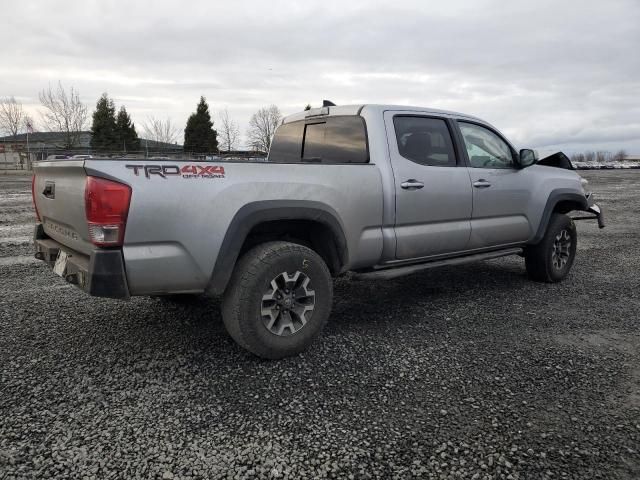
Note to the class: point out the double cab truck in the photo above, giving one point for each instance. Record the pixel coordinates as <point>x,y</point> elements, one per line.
<point>379,190</point>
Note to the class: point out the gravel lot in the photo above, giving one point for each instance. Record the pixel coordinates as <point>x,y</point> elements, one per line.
<point>466,372</point>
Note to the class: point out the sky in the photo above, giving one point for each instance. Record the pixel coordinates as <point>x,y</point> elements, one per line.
<point>552,75</point>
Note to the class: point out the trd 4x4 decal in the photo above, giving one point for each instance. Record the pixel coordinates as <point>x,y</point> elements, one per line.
<point>186,171</point>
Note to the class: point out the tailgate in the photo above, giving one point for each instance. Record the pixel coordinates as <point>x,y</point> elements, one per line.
<point>59,196</point>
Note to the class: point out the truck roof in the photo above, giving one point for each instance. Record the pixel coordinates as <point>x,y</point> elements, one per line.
<point>356,109</point>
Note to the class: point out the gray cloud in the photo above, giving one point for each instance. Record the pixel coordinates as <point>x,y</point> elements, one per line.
<point>549,74</point>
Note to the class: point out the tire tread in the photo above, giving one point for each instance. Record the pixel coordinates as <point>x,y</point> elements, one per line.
<point>537,259</point>
<point>242,286</point>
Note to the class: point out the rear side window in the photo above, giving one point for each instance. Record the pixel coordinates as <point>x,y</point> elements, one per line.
<point>425,140</point>
<point>315,135</point>
<point>286,146</point>
<point>330,140</point>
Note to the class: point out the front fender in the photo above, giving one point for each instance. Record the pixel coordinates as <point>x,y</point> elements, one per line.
<point>555,197</point>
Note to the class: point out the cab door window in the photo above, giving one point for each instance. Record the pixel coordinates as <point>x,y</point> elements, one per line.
<point>485,149</point>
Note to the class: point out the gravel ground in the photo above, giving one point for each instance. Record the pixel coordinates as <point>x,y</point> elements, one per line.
<point>467,372</point>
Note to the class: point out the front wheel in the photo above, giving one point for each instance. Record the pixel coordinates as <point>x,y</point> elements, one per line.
<point>278,299</point>
<point>552,258</point>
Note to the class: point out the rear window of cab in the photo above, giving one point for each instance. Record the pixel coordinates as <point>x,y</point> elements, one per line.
<point>321,140</point>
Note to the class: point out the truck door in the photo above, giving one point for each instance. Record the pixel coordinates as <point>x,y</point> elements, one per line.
<point>501,191</point>
<point>432,187</point>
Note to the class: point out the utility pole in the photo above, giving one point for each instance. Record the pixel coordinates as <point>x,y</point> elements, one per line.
<point>4,149</point>
<point>28,151</point>
<point>29,130</point>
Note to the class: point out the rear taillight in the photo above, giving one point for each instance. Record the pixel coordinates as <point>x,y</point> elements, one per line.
<point>33,196</point>
<point>106,206</point>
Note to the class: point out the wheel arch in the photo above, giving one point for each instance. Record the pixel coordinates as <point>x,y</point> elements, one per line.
<point>310,223</point>
<point>559,201</point>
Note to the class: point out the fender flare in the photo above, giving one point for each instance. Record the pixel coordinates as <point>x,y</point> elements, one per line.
<point>255,213</point>
<point>555,197</point>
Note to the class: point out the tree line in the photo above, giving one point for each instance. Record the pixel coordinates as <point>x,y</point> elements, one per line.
<point>599,156</point>
<point>113,130</point>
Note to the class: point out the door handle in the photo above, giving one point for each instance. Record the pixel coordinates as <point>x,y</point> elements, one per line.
<point>482,183</point>
<point>412,184</point>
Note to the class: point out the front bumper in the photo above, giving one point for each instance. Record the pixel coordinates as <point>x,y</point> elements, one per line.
<point>595,210</point>
<point>100,274</point>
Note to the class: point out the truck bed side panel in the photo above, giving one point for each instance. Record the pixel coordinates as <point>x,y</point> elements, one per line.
<point>177,223</point>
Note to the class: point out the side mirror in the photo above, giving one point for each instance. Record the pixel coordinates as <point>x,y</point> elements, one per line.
<point>527,157</point>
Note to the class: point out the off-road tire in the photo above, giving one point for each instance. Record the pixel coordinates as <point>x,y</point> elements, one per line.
<point>542,265</point>
<point>243,301</point>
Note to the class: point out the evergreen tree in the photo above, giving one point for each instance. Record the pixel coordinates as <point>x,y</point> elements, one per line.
<point>199,135</point>
<point>126,132</point>
<point>103,127</point>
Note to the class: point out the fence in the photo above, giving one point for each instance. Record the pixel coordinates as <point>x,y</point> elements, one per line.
<point>14,162</point>
<point>17,162</point>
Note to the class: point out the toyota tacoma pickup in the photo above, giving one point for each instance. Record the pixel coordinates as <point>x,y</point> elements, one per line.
<point>377,190</point>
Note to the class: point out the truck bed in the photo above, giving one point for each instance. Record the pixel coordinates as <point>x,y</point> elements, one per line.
<point>181,211</point>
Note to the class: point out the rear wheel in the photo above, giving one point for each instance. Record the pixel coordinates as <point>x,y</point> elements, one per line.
<point>552,258</point>
<point>278,299</point>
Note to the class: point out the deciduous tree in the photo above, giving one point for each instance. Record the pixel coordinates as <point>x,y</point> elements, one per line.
<point>229,132</point>
<point>11,116</point>
<point>620,156</point>
<point>163,131</point>
<point>602,156</point>
<point>262,126</point>
<point>64,112</point>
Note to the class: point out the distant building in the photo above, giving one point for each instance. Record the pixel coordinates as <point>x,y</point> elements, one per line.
<point>20,150</point>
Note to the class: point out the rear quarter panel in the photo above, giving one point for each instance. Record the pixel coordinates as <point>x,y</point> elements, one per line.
<point>176,225</point>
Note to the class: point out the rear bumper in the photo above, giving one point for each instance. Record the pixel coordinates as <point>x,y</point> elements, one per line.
<point>100,274</point>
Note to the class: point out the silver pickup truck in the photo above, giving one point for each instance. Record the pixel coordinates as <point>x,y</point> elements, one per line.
<point>378,190</point>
